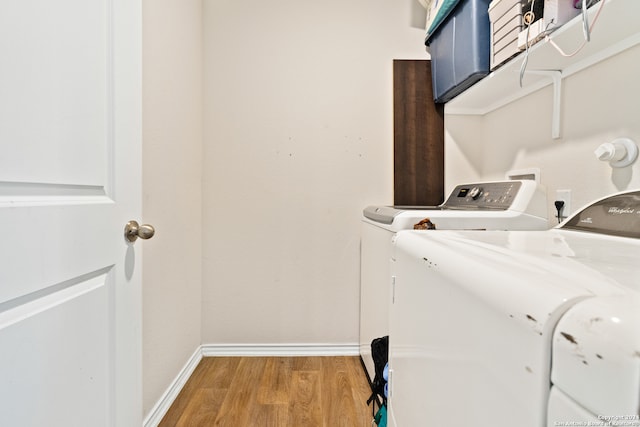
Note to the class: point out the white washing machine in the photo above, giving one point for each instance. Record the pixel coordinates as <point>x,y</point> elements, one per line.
<point>519,328</point>
<point>502,205</point>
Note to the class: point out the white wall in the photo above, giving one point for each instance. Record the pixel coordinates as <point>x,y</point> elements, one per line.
<point>599,104</point>
<point>298,139</point>
<point>172,147</point>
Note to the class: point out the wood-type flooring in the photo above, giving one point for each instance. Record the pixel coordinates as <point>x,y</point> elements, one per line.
<point>273,392</point>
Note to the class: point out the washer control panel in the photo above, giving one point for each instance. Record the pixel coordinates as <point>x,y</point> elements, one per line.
<point>486,195</point>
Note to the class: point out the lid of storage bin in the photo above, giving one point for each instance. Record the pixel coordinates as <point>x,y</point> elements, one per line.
<point>440,10</point>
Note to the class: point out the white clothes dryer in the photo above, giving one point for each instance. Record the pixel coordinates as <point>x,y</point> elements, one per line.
<point>519,328</point>
<point>499,205</point>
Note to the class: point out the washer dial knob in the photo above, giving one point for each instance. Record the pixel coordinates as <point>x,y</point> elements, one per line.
<point>475,192</point>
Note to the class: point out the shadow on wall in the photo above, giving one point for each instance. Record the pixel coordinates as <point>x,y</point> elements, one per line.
<point>418,15</point>
<point>621,177</point>
<point>464,140</point>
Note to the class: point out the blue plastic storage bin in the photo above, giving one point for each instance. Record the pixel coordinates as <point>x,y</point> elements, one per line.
<point>460,49</point>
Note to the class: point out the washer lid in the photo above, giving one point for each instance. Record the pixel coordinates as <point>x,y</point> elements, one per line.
<point>386,214</point>
<point>596,355</point>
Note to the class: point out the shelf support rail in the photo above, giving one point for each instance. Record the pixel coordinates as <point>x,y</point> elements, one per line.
<point>556,77</point>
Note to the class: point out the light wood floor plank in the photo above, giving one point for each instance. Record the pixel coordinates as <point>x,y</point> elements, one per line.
<point>360,387</point>
<point>305,408</point>
<point>340,409</point>
<point>188,391</point>
<point>275,383</point>
<point>268,415</point>
<point>273,392</point>
<point>307,363</point>
<point>242,394</point>
<point>203,408</point>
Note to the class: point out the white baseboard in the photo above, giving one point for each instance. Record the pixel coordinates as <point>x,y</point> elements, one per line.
<point>160,409</point>
<point>166,400</point>
<point>210,350</point>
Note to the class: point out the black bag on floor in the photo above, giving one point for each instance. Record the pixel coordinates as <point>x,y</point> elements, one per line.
<point>380,354</point>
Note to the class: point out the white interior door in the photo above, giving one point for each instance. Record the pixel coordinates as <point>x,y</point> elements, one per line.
<point>70,141</point>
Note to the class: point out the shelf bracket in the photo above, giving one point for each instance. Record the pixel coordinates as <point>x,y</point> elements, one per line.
<point>556,77</point>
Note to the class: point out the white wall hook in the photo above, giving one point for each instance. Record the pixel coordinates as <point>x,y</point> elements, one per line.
<point>619,153</point>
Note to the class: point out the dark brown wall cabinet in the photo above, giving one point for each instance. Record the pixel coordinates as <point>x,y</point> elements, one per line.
<point>418,136</point>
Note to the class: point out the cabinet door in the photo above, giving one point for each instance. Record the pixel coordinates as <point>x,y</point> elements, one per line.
<point>418,136</point>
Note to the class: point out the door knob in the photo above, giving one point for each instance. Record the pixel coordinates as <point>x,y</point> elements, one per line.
<point>133,230</point>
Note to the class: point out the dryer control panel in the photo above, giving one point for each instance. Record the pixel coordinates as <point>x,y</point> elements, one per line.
<point>617,215</point>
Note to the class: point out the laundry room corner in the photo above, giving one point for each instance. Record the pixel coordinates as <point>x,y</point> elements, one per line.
<point>298,137</point>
